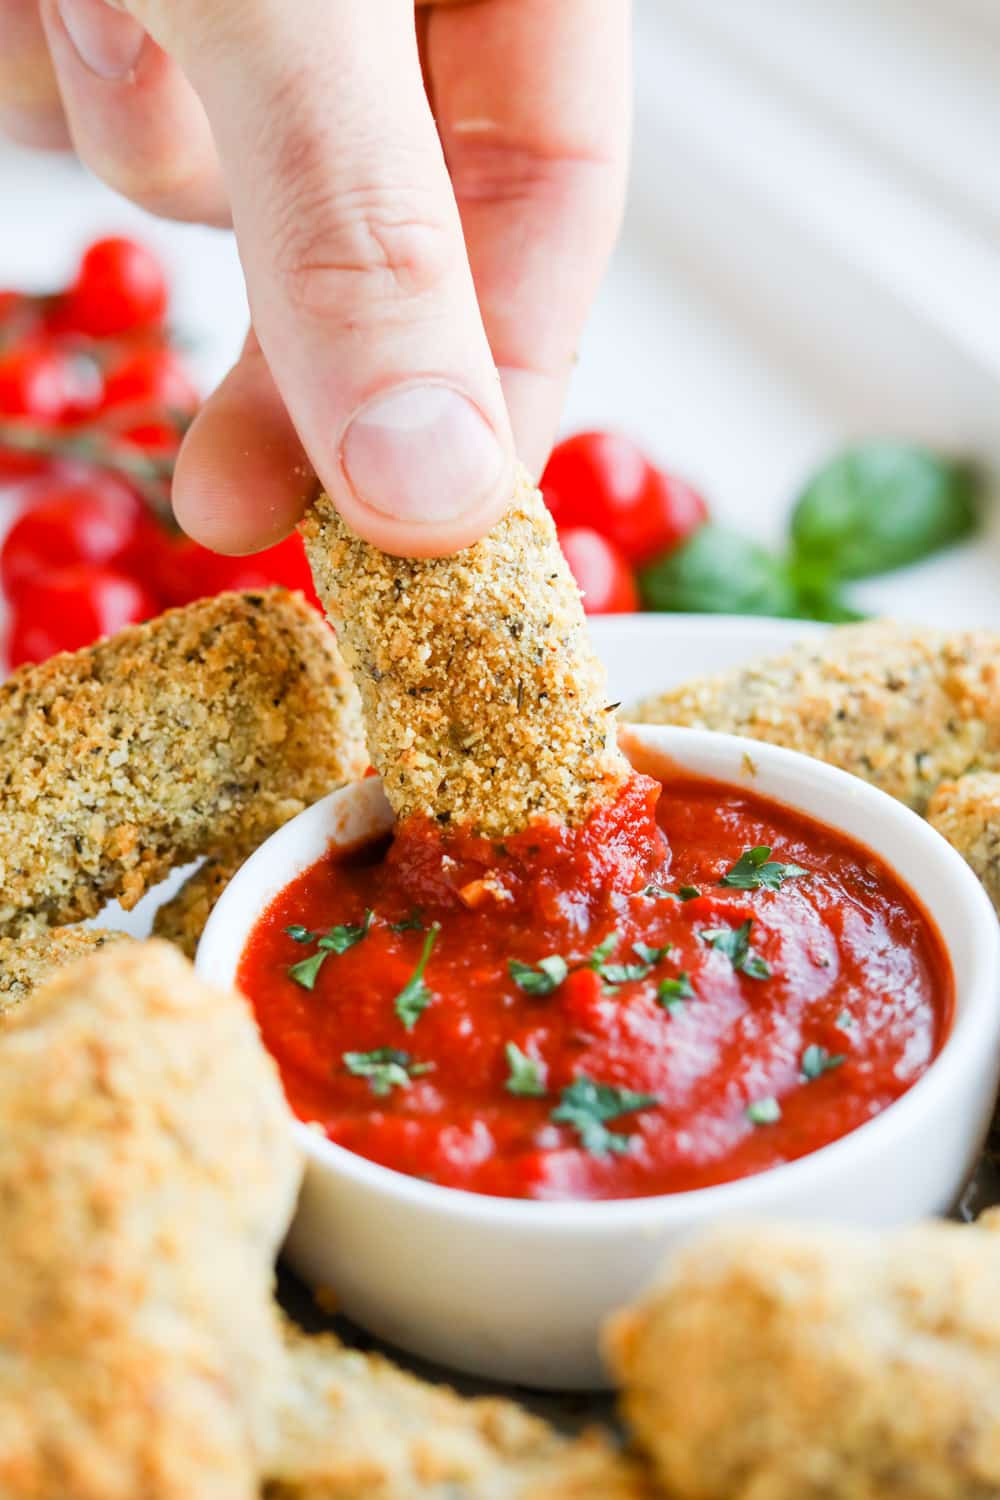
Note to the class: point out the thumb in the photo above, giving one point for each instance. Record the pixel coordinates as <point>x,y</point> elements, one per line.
<point>359,282</point>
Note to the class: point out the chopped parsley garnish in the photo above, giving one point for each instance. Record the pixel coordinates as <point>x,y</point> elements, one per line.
<point>386,1068</point>
<point>603,951</point>
<point>337,940</point>
<point>734,942</point>
<point>650,955</point>
<point>586,1106</point>
<point>845,1021</point>
<point>414,998</point>
<point>660,892</point>
<point>755,870</point>
<point>818,1060</point>
<point>412,923</point>
<point>541,978</point>
<point>688,892</point>
<point>300,934</point>
<point>764,1111</point>
<point>673,992</point>
<point>526,1075</point>
<point>615,974</point>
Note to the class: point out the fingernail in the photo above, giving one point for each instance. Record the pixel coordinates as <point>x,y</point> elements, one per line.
<point>422,453</point>
<point>108,43</point>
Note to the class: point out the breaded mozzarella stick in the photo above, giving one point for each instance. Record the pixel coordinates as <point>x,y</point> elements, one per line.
<point>780,1363</point>
<point>484,703</point>
<point>902,708</point>
<point>30,958</point>
<point>967,813</point>
<point>207,725</point>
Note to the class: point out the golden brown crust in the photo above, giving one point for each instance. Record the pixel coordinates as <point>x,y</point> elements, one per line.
<point>356,1428</point>
<point>483,700</point>
<point>27,960</point>
<point>903,708</point>
<point>163,743</point>
<point>147,1175</point>
<point>181,920</point>
<point>805,1364</point>
<point>967,813</point>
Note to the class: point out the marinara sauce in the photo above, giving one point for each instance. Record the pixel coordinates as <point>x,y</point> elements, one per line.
<point>694,986</point>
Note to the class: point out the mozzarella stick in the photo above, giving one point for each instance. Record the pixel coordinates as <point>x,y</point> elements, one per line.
<point>147,1175</point>
<point>803,1364</point>
<point>208,725</point>
<point>28,959</point>
<point>484,703</point>
<point>967,813</point>
<point>355,1428</point>
<point>902,708</point>
<point>181,920</point>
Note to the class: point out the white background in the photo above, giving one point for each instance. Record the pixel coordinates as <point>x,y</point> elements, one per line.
<point>812,251</point>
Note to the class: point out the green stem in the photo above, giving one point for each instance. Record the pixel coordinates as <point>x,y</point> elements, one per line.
<point>150,476</point>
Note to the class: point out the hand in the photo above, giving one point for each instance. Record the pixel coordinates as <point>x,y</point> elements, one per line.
<point>399,255</point>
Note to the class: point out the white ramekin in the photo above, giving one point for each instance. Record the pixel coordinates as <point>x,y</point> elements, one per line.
<point>518,1290</point>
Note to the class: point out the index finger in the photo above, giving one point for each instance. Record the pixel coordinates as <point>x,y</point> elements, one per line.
<point>532,103</point>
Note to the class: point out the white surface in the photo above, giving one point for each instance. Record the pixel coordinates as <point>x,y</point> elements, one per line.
<point>519,1291</point>
<point>811,252</point>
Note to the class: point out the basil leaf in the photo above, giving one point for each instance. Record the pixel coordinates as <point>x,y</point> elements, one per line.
<point>339,939</point>
<point>586,1106</point>
<point>603,951</point>
<point>764,1112</point>
<point>718,571</point>
<point>650,955</point>
<point>414,998</point>
<point>688,892</point>
<point>386,1068</point>
<point>526,1075</point>
<point>880,505</point>
<point>818,1060</point>
<point>542,978</point>
<point>755,870</point>
<point>734,942</point>
<point>300,934</point>
<point>306,972</point>
<point>412,923</point>
<point>672,993</point>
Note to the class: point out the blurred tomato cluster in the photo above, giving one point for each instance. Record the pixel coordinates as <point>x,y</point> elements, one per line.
<point>94,401</point>
<point>615,512</point>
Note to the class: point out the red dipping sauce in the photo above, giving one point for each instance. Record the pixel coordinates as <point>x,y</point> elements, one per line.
<point>593,1017</point>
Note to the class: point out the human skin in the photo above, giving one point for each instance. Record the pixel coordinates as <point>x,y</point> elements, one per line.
<point>423,212</point>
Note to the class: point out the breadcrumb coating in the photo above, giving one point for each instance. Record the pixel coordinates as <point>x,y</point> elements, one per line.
<point>356,1428</point>
<point>165,742</point>
<point>147,1175</point>
<point>483,700</point>
<point>181,920</point>
<point>967,813</point>
<point>903,708</point>
<point>28,959</point>
<point>780,1363</point>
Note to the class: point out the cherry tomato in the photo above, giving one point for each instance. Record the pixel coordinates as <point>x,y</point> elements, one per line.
<point>35,381</point>
<point>152,377</point>
<point>120,287</point>
<point>65,522</point>
<point>605,578</point>
<point>37,386</point>
<point>72,607</point>
<point>157,439</point>
<point>602,480</point>
<point>188,571</point>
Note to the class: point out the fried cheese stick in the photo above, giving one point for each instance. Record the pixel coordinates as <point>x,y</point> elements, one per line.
<point>208,724</point>
<point>818,1364</point>
<point>356,1428</point>
<point>181,920</point>
<point>484,703</point>
<point>147,1175</point>
<point>27,960</point>
<point>967,813</point>
<point>903,708</point>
